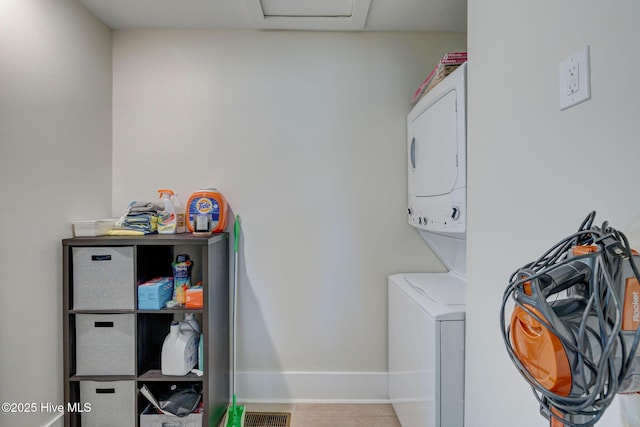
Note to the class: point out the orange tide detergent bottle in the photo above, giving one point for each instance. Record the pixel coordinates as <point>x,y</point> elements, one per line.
<point>206,211</point>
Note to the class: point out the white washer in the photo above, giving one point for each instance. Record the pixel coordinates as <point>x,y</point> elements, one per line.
<point>426,349</point>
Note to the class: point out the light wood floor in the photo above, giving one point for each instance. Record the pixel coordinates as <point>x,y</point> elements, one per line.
<point>333,415</point>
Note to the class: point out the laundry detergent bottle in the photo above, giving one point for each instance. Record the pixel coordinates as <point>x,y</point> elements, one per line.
<point>180,216</point>
<point>206,211</point>
<point>167,219</point>
<point>191,323</point>
<point>179,350</point>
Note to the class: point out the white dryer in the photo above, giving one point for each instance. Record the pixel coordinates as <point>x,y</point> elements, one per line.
<point>427,310</point>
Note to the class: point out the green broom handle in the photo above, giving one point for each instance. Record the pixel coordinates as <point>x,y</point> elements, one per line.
<point>236,234</point>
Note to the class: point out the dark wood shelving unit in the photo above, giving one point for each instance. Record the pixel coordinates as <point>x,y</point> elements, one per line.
<point>145,257</point>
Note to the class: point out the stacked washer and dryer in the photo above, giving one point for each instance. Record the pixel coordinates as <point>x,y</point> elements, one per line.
<point>427,310</point>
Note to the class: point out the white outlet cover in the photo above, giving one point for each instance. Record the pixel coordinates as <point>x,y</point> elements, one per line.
<point>575,85</point>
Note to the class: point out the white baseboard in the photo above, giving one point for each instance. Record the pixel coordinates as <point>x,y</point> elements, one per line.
<point>312,387</point>
<point>304,387</point>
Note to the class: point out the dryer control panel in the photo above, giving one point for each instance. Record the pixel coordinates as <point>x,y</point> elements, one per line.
<point>447,215</point>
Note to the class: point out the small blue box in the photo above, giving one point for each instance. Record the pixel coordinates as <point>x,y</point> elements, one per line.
<point>153,294</point>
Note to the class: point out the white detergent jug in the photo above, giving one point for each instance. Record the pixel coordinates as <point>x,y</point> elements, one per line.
<point>179,351</point>
<point>191,322</point>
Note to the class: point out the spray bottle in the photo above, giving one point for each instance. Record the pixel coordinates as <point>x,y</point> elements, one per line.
<point>167,220</point>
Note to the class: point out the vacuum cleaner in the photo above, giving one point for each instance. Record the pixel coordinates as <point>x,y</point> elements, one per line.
<point>573,331</point>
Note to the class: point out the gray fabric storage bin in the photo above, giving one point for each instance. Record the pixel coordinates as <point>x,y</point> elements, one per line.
<point>149,418</point>
<point>112,403</point>
<point>103,278</point>
<point>105,344</point>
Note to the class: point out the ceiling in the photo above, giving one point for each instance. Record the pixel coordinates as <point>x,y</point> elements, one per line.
<point>335,15</point>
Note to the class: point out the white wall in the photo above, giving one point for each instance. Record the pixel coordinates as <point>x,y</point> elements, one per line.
<point>534,171</point>
<point>305,135</point>
<point>55,166</point>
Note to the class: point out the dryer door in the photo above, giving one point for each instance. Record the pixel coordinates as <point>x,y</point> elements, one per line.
<point>433,148</point>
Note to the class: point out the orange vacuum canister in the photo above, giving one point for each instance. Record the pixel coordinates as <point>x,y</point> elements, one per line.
<point>540,352</point>
<point>206,211</point>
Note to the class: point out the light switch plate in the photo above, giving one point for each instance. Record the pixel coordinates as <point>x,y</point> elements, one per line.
<point>575,85</point>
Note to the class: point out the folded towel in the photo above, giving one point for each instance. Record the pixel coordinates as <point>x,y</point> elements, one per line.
<point>142,222</point>
<point>124,232</point>
<point>145,207</point>
<point>141,216</point>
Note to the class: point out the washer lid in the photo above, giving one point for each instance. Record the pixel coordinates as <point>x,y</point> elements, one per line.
<point>442,288</point>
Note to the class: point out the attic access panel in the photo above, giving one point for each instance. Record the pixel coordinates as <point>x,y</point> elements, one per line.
<point>326,8</point>
<point>334,15</point>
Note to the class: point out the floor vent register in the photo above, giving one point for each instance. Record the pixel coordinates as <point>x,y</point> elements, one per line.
<point>267,419</point>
